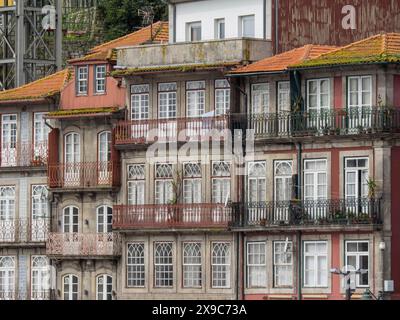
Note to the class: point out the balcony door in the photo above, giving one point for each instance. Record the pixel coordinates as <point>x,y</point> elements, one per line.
<point>140,103</point>
<point>41,136</point>
<point>104,219</point>
<point>283,176</point>
<point>164,192</point>
<point>70,230</point>
<point>360,102</point>
<point>7,214</point>
<point>220,189</point>
<point>319,105</point>
<point>167,111</point>
<point>104,287</point>
<point>195,108</point>
<point>137,191</point>
<point>40,278</point>
<point>70,287</point>
<point>192,192</point>
<point>72,160</point>
<point>356,184</point>
<point>7,278</point>
<point>257,189</point>
<point>315,188</point>
<point>9,140</point>
<point>40,213</point>
<point>104,158</point>
<point>260,119</point>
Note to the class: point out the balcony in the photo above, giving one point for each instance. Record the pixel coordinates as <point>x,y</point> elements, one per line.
<point>23,155</point>
<point>18,231</point>
<point>83,245</point>
<point>35,295</point>
<point>297,214</point>
<point>371,121</point>
<point>194,53</point>
<point>180,216</point>
<point>83,175</point>
<point>146,132</point>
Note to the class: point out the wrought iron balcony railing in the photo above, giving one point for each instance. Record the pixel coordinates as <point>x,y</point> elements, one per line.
<point>23,154</point>
<point>171,130</point>
<point>34,295</point>
<point>24,230</point>
<point>83,244</point>
<point>84,175</point>
<point>361,211</point>
<point>331,122</point>
<point>172,216</point>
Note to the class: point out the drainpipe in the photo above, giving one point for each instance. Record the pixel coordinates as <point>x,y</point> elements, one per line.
<point>276,26</point>
<point>299,244</point>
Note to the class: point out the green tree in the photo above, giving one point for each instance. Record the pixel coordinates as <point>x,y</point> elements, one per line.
<point>120,17</point>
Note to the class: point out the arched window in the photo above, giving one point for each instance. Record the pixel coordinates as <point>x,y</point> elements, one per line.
<point>70,220</point>
<point>70,287</point>
<point>104,219</point>
<point>104,144</point>
<point>72,157</point>
<point>283,180</point>
<point>7,278</point>
<point>40,278</point>
<point>40,215</point>
<point>104,287</point>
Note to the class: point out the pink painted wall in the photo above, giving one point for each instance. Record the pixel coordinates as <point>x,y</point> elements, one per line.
<point>114,96</point>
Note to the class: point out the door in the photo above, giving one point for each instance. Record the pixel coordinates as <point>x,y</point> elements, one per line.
<point>7,278</point>
<point>167,102</point>
<point>284,108</point>
<point>356,185</point>
<point>192,195</point>
<point>283,189</point>
<point>73,170</point>
<point>140,102</point>
<point>70,231</point>
<point>359,103</point>
<point>40,278</point>
<point>7,214</point>
<point>164,197</point>
<point>41,136</point>
<point>40,217</point>
<point>319,117</point>
<point>315,189</point>
<point>257,181</point>
<point>9,140</point>
<point>261,119</point>
<point>104,287</point>
<point>104,158</point>
<point>70,287</point>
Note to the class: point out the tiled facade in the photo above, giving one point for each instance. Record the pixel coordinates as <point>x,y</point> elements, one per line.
<point>132,212</point>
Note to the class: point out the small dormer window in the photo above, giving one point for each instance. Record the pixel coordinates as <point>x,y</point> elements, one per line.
<point>193,31</point>
<point>100,80</point>
<point>82,80</point>
<point>247,26</point>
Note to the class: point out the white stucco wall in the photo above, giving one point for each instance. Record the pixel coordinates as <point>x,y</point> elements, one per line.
<point>209,10</point>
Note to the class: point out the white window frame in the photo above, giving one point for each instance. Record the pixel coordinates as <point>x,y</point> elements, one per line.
<point>167,100</point>
<point>136,185</point>
<point>71,283</point>
<point>222,97</point>
<point>104,294</point>
<point>319,107</point>
<point>221,184</point>
<point>40,134</point>
<point>260,181</point>
<point>192,266</point>
<point>361,191</point>
<point>315,283</point>
<point>73,227</point>
<point>278,264</point>
<point>195,99</point>
<point>219,33</point>
<point>242,21</point>
<point>221,271</point>
<point>283,177</point>
<point>140,102</point>
<point>39,212</point>
<point>82,78</point>
<point>358,255</point>
<point>261,267</point>
<point>100,78</point>
<point>9,140</point>
<point>164,268</point>
<point>359,91</point>
<point>8,272</point>
<point>136,265</point>
<point>189,30</point>
<point>315,184</point>
<point>104,226</point>
<point>75,155</point>
<point>40,278</point>
<point>192,184</point>
<point>283,92</point>
<point>260,98</point>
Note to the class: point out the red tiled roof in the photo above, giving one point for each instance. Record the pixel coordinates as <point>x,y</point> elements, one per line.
<point>282,61</point>
<point>381,48</point>
<point>37,90</point>
<point>157,33</point>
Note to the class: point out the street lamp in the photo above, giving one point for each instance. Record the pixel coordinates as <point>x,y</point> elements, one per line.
<point>346,274</point>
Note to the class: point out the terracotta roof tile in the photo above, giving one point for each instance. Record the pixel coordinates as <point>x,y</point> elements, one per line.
<point>159,34</point>
<point>282,61</point>
<point>380,48</point>
<point>38,90</point>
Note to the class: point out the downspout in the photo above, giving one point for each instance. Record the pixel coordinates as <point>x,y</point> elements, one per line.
<point>298,240</point>
<point>276,26</point>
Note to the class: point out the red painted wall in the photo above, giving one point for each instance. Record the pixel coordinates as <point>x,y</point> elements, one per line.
<point>115,95</point>
<point>396,87</point>
<point>338,96</point>
<point>395,217</point>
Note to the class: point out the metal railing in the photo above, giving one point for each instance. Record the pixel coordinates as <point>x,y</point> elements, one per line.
<point>24,230</point>
<point>172,216</point>
<point>170,130</point>
<point>84,175</point>
<point>331,122</point>
<point>24,154</point>
<point>83,244</point>
<point>361,211</point>
<point>34,295</point>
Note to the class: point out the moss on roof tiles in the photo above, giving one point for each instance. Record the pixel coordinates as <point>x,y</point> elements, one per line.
<point>85,111</point>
